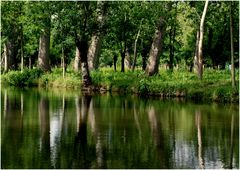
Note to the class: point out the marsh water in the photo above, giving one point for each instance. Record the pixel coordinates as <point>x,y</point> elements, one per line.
<point>66,129</point>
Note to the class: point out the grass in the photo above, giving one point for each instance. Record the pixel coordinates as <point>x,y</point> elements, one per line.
<point>215,86</point>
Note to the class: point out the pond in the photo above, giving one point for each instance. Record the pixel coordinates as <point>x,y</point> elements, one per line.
<point>66,129</point>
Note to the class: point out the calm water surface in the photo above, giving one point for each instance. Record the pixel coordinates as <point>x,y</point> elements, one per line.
<point>56,129</point>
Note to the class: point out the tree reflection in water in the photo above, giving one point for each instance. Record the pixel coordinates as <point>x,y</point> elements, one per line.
<point>12,131</point>
<point>81,148</point>
<point>96,133</point>
<point>199,139</point>
<point>43,130</point>
<point>43,110</point>
<point>231,142</point>
<point>158,137</point>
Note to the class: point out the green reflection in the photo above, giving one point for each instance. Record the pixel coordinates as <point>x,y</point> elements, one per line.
<point>51,129</point>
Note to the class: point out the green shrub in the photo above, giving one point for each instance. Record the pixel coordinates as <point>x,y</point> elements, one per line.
<point>25,78</point>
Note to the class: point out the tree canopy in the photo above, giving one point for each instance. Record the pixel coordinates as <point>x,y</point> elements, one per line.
<point>127,28</point>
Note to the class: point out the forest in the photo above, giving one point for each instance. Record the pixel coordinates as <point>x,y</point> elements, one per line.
<point>164,48</point>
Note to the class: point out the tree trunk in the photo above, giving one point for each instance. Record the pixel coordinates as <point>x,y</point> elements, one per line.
<point>144,58</point>
<point>156,48</point>
<point>122,62</point>
<point>232,49</point>
<point>135,49</point>
<point>30,62</point>
<point>127,59</point>
<point>93,51</point>
<point>96,41</point>
<point>211,54</point>
<point>43,54</point>
<point>21,48</point>
<point>63,63</point>
<point>9,55</point>
<point>171,48</point>
<point>115,62</point>
<point>123,49</point>
<point>200,57</point>
<point>195,60</point>
<point>83,47</point>
<point>76,65</point>
<point>5,55</point>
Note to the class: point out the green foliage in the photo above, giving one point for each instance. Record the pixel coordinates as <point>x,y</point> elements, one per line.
<point>55,79</point>
<point>215,87</point>
<point>25,78</point>
<point>169,84</point>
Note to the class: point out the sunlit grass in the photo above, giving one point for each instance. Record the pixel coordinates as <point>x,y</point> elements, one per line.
<point>216,84</point>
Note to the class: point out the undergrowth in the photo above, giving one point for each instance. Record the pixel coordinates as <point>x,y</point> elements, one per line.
<point>215,86</point>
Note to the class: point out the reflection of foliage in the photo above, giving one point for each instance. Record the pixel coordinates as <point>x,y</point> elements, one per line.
<point>122,125</point>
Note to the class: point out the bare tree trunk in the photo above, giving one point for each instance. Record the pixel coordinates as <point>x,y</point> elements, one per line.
<point>127,59</point>
<point>21,48</point>
<point>5,55</point>
<point>9,55</point>
<point>30,62</point>
<point>115,62</point>
<point>93,51</point>
<point>63,63</point>
<point>232,49</point>
<point>76,65</point>
<point>96,41</point>
<point>195,60</point>
<point>43,54</point>
<point>122,61</point>
<point>135,48</point>
<point>144,59</point>
<point>156,48</point>
<point>123,48</point>
<point>82,47</point>
<point>172,35</point>
<point>200,57</point>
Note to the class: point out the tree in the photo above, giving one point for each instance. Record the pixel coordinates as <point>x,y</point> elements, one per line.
<point>172,33</point>
<point>232,49</point>
<point>200,43</point>
<point>76,64</point>
<point>69,14</point>
<point>156,48</point>
<point>96,40</point>
<point>11,33</point>
<point>135,47</point>
<point>44,40</point>
<point>121,26</point>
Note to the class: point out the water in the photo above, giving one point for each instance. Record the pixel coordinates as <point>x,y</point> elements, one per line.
<point>56,129</point>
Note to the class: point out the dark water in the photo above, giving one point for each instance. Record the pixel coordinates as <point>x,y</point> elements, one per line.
<point>56,129</point>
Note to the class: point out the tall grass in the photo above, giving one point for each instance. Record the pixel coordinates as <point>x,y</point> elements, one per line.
<point>216,84</point>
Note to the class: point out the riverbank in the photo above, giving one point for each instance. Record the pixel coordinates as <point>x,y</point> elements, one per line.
<point>215,86</point>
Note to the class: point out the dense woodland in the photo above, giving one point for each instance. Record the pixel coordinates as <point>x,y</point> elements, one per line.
<point>86,36</point>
